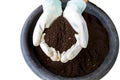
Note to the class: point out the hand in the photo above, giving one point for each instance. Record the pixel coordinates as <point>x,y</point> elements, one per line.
<point>52,9</point>
<point>73,13</point>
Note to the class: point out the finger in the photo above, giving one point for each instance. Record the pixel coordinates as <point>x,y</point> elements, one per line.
<point>37,35</point>
<point>39,28</point>
<point>71,53</point>
<point>64,57</point>
<point>83,33</point>
<point>74,52</point>
<point>45,47</point>
<point>55,55</point>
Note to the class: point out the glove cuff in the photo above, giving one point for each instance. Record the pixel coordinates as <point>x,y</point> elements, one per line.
<point>51,3</point>
<point>78,5</point>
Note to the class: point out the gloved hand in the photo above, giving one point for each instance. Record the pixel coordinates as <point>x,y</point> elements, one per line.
<point>73,13</point>
<point>52,9</point>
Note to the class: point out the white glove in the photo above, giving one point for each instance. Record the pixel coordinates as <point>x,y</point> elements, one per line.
<point>73,13</point>
<point>52,9</point>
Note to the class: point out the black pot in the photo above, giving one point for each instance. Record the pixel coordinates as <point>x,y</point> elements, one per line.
<point>33,63</point>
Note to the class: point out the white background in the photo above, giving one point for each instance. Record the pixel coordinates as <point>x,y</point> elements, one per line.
<point>13,14</point>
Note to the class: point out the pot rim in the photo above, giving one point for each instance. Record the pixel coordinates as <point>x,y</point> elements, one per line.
<point>98,73</point>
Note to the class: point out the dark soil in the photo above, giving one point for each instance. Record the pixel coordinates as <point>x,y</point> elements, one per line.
<point>60,35</point>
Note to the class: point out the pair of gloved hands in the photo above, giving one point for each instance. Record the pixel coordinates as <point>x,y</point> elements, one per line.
<point>52,10</point>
